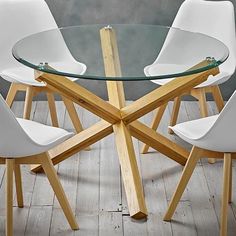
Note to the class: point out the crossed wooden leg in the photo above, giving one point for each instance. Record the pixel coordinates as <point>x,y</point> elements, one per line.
<point>121,119</point>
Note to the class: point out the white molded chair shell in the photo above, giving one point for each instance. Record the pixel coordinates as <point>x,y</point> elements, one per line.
<point>20,137</point>
<point>213,18</point>
<point>215,133</point>
<point>20,18</point>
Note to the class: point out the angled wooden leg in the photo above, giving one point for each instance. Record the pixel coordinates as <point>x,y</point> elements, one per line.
<point>187,173</point>
<point>174,114</point>
<point>225,196</point>
<point>9,196</point>
<point>28,102</point>
<point>11,94</point>
<point>217,97</point>
<point>52,109</point>
<point>155,123</point>
<point>19,192</point>
<point>202,103</point>
<point>125,148</point>
<point>130,172</point>
<point>73,114</point>
<point>201,96</point>
<point>59,192</point>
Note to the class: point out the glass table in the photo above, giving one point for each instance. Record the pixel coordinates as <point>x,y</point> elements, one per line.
<point>115,54</point>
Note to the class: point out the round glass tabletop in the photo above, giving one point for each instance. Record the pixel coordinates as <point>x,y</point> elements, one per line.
<point>146,52</point>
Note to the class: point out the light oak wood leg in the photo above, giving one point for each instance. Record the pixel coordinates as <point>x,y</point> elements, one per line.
<point>201,96</point>
<point>70,107</point>
<point>230,182</point>
<point>225,196</point>
<point>73,114</point>
<point>130,173</point>
<point>11,94</point>
<point>217,97</point>
<point>187,173</point>
<point>9,196</point>
<point>155,123</point>
<point>28,102</point>
<point>174,114</point>
<point>59,192</point>
<point>202,103</point>
<point>18,181</point>
<point>52,109</point>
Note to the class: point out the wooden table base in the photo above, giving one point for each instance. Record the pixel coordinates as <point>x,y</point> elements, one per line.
<point>121,120</point>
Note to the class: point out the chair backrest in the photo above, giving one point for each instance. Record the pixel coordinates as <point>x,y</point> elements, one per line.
<point>20,18</point>
<point>213,18</point>
<point>222,134</point>
<point>14,142</point>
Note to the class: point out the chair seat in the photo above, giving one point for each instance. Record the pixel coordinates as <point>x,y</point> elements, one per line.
<point>158,69</point>
<point>194,129</point>
<point>46,136</point>
<point>25,75</point>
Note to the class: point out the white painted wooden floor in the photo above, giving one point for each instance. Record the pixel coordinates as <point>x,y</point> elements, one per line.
<point>93,185</point>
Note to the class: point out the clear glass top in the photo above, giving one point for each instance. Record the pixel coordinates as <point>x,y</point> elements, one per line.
<point>146,52</point>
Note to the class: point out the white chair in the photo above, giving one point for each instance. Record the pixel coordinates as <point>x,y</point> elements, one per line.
<point>27,142</point>
<point>18,19</point>
<point>213,18</point>
<point>212,136</point>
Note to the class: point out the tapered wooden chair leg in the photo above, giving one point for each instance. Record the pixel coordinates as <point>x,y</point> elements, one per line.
<point>11,94</point>
<point>204,112</point>
<point>201,96</point>
<point>28,102</point>
<point>225,196</point>
<point>217,97</point>
<point>52,109</point>
<point>174,114</point>
<point>59,192</point>
<point>230,182</point>
<point>9,196</point>
<point>70,107</point>
<point>187,173</point>
<point>73,114</point>
<point>155,123</point>
<point>18,181</point>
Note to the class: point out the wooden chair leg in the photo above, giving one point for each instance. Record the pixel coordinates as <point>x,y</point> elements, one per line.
<point>155,123</point>
<point>9,196</point>
<point>225,196</point>
<point>18,181</point>
<point>11,94</point>
<point>59,192</point>
<point>174,114</point>
<point>187,172</point>
<point>52,109</point>
<point>28,102</point>
<point>230,183</point>
<point>202,103</point>
<point>73,114</point>
<point>204,111</point>
<point>217,97</point>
